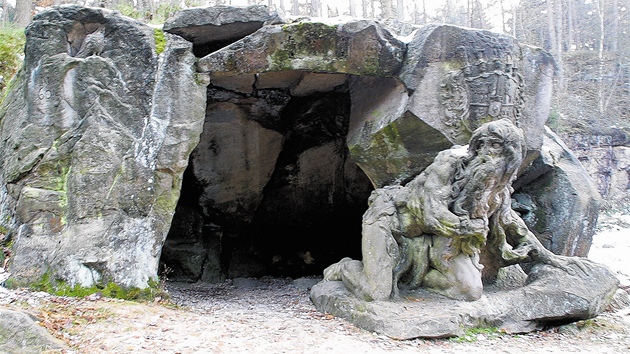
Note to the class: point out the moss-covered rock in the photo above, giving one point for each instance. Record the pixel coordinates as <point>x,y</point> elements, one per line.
<point>94,148</point>
<point>358,47</point>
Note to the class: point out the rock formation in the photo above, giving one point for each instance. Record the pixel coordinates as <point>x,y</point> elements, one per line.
<point>452,231</point>
<point>251,144</point>
<point>606,157</point>
<point>94,147</point>
<point>19,333</point>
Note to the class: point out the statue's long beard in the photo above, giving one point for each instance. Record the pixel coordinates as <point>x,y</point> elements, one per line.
<point>476,195</point>
<point>480,182</point>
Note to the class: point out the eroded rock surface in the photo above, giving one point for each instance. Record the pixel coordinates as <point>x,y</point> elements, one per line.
<point>551,192</point>
<point>19,333</point>
<point>297,123</point>
<point>549,297</point>
<point>95,146</point>
<point>210,28</point>
<point>606,157</point>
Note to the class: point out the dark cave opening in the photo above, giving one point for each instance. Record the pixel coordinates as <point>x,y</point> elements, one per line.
<point>270,190</point>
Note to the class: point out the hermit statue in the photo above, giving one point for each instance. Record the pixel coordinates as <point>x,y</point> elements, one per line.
<point>451,228</point>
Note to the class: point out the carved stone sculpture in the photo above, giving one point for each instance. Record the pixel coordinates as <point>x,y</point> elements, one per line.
<point>450,226</point>
<point>247,147</point>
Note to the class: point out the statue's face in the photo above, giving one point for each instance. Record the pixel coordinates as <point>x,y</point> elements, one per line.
<point>489,145</point>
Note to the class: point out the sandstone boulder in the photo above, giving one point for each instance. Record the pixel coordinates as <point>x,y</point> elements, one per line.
<point>359,47</point>
<point>19,333</point>
<point>452,80</point>
<point>267,142</point>
<point>95,147</point>
<point>549,296</point>
<point>606,157</point>
<point>210,28</point>
<point>558,200</point>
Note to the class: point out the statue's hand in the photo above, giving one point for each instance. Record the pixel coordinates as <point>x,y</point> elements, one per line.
<point>518,254</point>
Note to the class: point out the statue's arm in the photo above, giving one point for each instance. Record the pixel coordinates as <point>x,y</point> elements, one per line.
<point>527,244</point>
<point>533,250</point>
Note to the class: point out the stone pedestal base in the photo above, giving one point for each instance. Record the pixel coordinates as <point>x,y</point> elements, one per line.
<point>550,296</point>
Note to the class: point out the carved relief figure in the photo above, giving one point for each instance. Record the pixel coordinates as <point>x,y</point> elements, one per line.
<point>485,89</point>
<point>437,230</point>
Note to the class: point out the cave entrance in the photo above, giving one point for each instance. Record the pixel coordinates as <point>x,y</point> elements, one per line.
<point>270,189</point>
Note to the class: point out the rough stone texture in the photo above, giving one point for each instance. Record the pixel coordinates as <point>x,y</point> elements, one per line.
<point>241,159</point>
<point>210,28</point>
<point>606,157</point>
<point>269,180</point>
<point>551,296</point>
<point>96,135</point>
<point>94,147</point>
<point>358,47</point>
<point>20,334</point>
<point>550,195</point>
<point>456,80</point>
<point>389,143</point>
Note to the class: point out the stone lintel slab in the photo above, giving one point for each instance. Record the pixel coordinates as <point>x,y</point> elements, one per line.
<point>219,23</point>
<point>359,47</point>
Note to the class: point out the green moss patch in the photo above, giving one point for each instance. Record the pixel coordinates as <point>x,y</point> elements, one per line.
<point>160,40</point>
<point>60,288</point>
<point>12,42</point>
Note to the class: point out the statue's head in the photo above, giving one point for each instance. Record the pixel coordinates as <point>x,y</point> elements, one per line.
<point>499,139</point>
<point>495,153</point>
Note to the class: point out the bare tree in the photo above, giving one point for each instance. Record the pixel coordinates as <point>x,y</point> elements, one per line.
<point>570,31</point>
<point>514,20</point>
<point>503,21</point>
<point>295,7</point>
<point>557,9</point>
<point>614,28</point>
<point>23,10</point>
<point>316,8</point>
<point>599,4</point>
<point>424,12</point>
<point>386,9</point>
<point>551,26</point>
<point>5,12</point>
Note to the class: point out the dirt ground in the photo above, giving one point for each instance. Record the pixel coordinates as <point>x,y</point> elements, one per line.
<point>274,315</point>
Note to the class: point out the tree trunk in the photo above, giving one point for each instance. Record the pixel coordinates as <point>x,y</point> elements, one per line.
<point>5,13</point>
<point>316,8</point>
<point>364,8</point>
<point>503,22</point>
<point>614,28</point>
<point>424,12</point>
<point>373,4</point>
<point>295,8</point>
<point>559,43</point>
<point>386,6</point>
<point>23,12</point>
<point>513,20</point>
<point>570,30</point>
<point>400,10</point>
<point>551,46</point>
<point>353,8</point>
<point>600,12</point>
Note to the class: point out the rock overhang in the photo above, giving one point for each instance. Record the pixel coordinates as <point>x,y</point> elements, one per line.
<point>397,95</point>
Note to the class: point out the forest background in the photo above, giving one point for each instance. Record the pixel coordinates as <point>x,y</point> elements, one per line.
<point>589,40</point>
